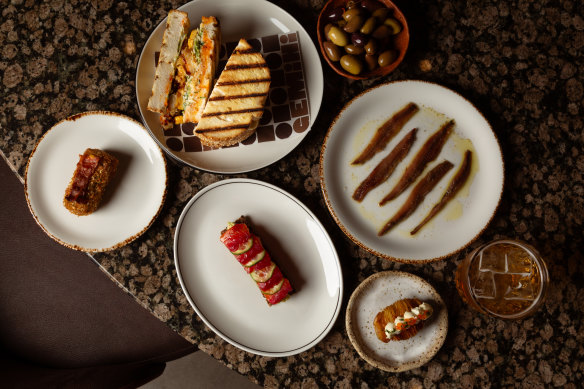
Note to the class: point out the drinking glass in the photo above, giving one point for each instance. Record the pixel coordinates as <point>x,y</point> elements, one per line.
<point>504,278</point>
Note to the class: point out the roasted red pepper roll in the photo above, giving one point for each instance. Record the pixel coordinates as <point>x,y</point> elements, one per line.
<point>256,261</point>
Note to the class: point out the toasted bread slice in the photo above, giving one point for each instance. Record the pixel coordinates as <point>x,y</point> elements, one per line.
<point>237,101</point>
<point>177,27</point>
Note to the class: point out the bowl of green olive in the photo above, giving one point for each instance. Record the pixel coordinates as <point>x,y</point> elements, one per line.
<point>362,39</point>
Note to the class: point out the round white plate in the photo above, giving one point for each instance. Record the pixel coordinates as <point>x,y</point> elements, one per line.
<point>373,295</point>
<point>239,19</point>
<point>225,296</point>
<point>132,200</point>
<point>460,222</point>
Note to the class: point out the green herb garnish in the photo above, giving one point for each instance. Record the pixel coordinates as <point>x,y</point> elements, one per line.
<point>197,45</point>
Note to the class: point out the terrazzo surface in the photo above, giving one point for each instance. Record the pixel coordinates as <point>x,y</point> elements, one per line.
<point>517,61</point>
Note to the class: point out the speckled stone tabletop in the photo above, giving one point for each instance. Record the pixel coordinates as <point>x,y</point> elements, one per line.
<point>517,61</point>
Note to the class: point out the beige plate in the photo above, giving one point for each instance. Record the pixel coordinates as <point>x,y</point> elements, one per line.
<point>133,199</point>
<point>373,295</point>
<point>460,222</point>
<point>299,245</point>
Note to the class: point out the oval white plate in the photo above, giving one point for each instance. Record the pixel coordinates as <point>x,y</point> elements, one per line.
<point>373,295</point>
<point>460,222</point>
<point>225,296</point>
<point>133,199</point>
<point>239,19</point>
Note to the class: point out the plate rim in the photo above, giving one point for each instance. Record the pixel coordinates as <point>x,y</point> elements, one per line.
<point>76,247</point>
<point>346,231</point>
<point>338,305</point>
<point>377,362</point>
<point>310,98</point>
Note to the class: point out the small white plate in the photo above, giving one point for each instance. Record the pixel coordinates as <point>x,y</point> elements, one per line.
<point>373,295</point>
<point>132,200</point>
<point>463,219</point>
<point>225,296</point>
<point>239,19</point>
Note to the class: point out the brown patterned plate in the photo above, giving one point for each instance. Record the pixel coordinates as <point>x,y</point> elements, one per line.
<point>372,296</point>
<point>295,91</point>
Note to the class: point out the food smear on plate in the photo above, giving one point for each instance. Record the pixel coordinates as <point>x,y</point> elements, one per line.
<point>428,153</point>
<point>256,261</point>
<point>87,187</point>
<point>236,104</point>
<point>401,320</point>
<point>386,132</point>
<point>386,167</point>
<point>456,183</point>
<point>185,70</point>
<point>417,195</point>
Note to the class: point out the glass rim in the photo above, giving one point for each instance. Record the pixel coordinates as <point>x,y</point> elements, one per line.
<point>534,255</point>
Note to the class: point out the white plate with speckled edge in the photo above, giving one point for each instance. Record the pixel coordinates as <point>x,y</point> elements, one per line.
<point>461,221</point>
<point>132,200</point>
<point>239,19</point>
<point>225,296</point>
<point>372,296</point>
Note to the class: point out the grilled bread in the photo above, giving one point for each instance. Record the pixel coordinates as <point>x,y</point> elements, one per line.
<point>237,101</point>
<point>177,27</point>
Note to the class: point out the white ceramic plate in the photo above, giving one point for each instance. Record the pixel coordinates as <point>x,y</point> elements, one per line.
<point>133,199</point>
<point>460,222</point>
<point>239,19</point>
<point>373,295</point>
<point>225,296</point>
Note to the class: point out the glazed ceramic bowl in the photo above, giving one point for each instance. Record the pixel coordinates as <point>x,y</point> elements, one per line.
<point>399,42</point>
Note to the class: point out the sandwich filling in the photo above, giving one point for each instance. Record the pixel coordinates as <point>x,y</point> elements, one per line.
<point>194,73</point>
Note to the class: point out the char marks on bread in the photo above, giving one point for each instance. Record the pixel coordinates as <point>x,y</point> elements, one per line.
<point>236,103</point>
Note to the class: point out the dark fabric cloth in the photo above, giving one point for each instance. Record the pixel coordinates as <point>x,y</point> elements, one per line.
<point>58,310</point>
<point>15,373</point>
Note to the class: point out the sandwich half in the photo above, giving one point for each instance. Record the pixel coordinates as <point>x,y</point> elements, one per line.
<point>237,101</point>
<point>203,46</point>
<point>177,28</point>
<point>192,75</point>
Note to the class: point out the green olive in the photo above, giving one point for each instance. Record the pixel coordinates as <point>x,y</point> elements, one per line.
<point>327,28</point>
<point>371,61</point>
<point>351,64</point>
<point>354,24</point>
<point>332,51</point>
<point>351,13</point>
<point>393,25</point>
<point>355,50</point>
<point>387,57</point>
<point>381,32</point>
<point>338,36</point>
<point>368,26</point>
<point>352,4</point>
<point>371,47</point>
<point>380,13</point>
